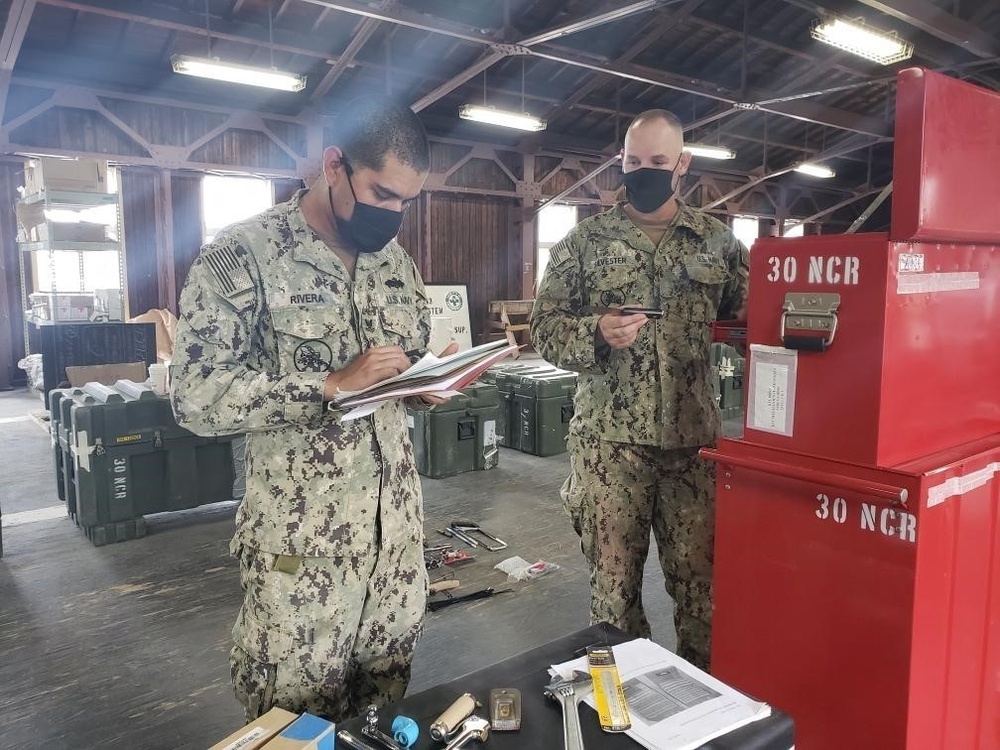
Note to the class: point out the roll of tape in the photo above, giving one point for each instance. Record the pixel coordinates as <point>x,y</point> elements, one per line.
<point>405,730</point>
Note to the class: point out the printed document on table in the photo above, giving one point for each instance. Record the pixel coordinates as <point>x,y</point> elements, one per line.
<point>672,703</point>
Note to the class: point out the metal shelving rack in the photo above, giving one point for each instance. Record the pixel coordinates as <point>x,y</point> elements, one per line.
<point>33,252</point>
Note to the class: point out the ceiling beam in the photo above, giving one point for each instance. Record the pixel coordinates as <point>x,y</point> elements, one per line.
<point>412,19</point>
<point>14,29</point>
<point>648,38</point>
<point>774,44</point>
<point>819,114</point>
<point>362,33</point>
<point>484,62</point>
<point>590,22</point>
<point>937,22</point>
<point>282,9</point>
<point>846,146</point>
<point>237,7</point>
<point>498,52</point>
<point>832,209</point>
<point>164,17</point>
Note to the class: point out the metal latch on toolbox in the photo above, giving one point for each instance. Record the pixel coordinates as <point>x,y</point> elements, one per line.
<point>811,312</point>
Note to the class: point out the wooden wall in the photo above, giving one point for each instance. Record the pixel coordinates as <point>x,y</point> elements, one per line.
<point>473,240</point>
<point>161,212</point>
<point>11,307</point>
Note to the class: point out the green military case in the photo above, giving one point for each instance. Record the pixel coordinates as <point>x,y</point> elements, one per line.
<point>542,406</point>
<point>61,401</point>
<point>728,366</point>
<point>457,436</point>
<point>504,376</point>
<point>128,458</point>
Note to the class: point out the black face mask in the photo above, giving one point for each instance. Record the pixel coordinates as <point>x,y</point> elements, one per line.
<point>647,189</point>
<point>370,228</point>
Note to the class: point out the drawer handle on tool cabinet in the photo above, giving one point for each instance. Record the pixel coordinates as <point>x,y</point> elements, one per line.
<point>813,312</point>
<point>886,492</point>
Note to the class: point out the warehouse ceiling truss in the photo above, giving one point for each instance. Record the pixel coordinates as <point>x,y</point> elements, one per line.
<point>746,76</point>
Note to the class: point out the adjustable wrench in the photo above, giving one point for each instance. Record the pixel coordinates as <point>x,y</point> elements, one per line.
<point>568,693</point>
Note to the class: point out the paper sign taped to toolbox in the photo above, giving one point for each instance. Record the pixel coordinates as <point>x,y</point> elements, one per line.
<point>771,405</point>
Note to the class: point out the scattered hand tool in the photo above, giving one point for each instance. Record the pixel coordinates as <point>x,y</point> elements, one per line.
<point>448,722</point>
<point>465,529</point>
<point>442,584</point>
<point>483,594</point>
<point>473,728</point>
<point>349,740</point>
<point>568,693</point>
<point>454,533</point>
<point>372,732</point>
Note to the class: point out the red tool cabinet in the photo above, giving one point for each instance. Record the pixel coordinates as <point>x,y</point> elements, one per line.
<point>857,579</point>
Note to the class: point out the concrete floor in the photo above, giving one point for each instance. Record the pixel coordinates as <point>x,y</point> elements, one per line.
<point>125,646</point>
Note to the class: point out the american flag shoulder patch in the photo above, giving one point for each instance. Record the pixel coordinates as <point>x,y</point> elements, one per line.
<point>230,274</point>
<point>559,255</point>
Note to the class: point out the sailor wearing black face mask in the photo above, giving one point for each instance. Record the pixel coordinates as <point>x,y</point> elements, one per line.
<point>278,313</point>
<point>645,401</point>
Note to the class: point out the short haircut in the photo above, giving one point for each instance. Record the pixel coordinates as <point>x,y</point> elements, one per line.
<point>659,114</point>
<point>369,128</point>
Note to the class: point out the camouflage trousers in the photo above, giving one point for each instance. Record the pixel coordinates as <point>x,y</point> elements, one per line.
<point>615,494</point>
<point>327,635</point>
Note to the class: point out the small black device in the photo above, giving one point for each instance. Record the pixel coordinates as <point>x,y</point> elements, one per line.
<point>649,312</point>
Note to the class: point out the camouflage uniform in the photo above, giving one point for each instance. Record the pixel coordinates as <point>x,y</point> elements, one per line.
<point>329,534</point>
<point>641,413</point>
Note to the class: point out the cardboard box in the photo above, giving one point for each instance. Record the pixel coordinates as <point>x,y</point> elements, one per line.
<point>108,303</point>
<point>106,374</point>
<point>307,732</point>
<point>85,175</point>
<point>59,306</point>
<point>66,232</point>
<point>257,733</point>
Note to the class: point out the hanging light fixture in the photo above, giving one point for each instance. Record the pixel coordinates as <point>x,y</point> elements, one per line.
<point>502,117</point>
<point>709,152</point>
<point>857,37</point>
<point>815,170</point>
<point>249,75</point>
<point>233,73</point>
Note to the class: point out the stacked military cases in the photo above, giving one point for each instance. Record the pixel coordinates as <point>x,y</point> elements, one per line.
<point>457,436</point>
<point>119,455</point>
<point>728,367</point>
<point>536,405</point>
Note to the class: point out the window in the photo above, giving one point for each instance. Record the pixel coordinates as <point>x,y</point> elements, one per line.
<point>746,229</point>
<point>554,223</point>
<point>226,199</point>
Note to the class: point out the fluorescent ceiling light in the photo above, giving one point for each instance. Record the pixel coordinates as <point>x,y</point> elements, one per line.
<point>234,73</point>
<point>710,152</point>
<point>855,36</point>
<point>815,170</point>
<point>494,116</point>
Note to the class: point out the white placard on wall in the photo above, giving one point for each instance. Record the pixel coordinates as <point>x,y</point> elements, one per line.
<point>449,305</point>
